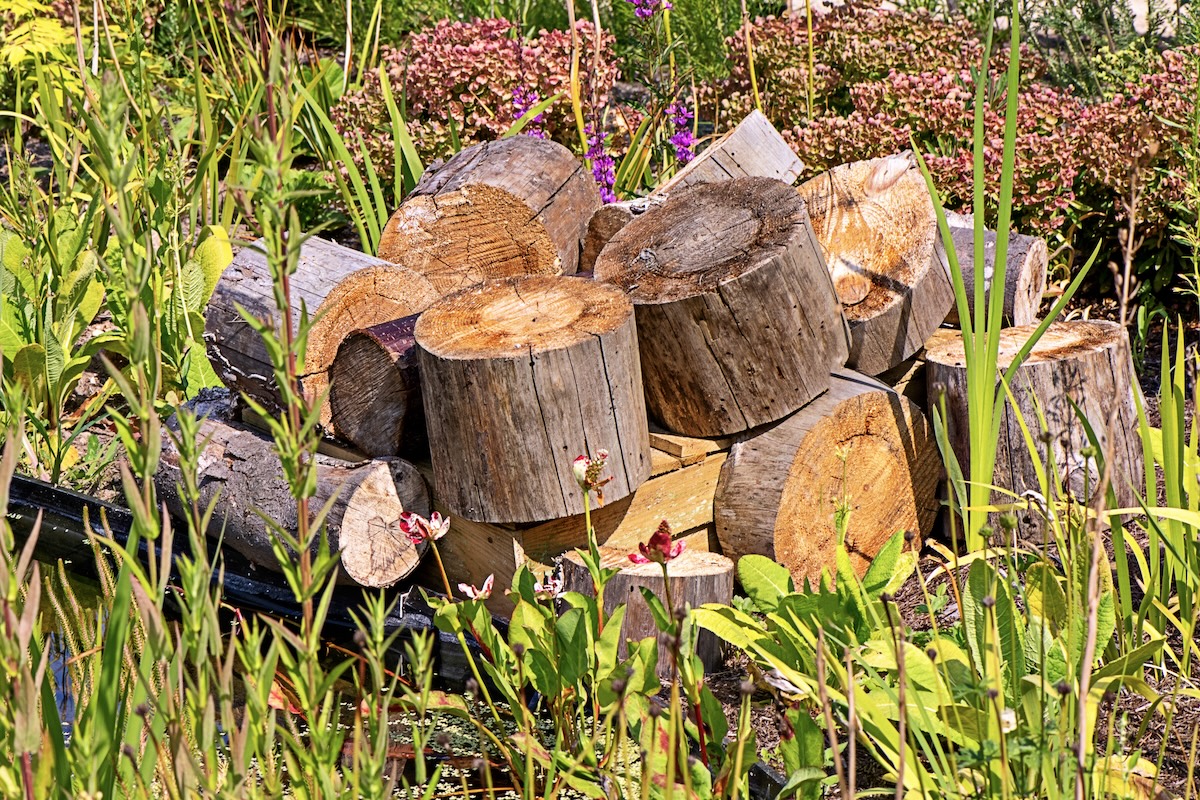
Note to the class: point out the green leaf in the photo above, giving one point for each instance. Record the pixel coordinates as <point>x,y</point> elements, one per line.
<point>545,676</point>
<point>573,650</point>
<point>662,620</point>
<point>764,581</point>
<point>995,636</point>
<point>884,565</point>
<point>213,255</point>
<point>29,368</point>
<point>609,644</point>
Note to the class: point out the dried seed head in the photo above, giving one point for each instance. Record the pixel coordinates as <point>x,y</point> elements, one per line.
<point>909,536</point>
<point>360,640</point>
<point>518,649</point>
<point>1063,687</point>
<point>932,653</point>
<point>988,601</point>
<point>472,687</point>
<point>993,694</point>
<point>746,687</point>
<point>655,711</point>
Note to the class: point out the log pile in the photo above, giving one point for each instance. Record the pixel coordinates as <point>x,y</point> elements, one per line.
<point>721,345</point>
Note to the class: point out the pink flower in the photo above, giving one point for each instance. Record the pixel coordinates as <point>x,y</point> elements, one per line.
<point>482,593</point>
<point>418,529</point>
<point>660,549</point>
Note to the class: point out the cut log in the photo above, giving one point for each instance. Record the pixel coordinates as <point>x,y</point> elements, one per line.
<point>696,578</point>
<point>877,228</point>
<point>753,149</point>
<point>1087,362</point>
<point>376,393</point>
<point>341,288</point>
<point>517,206</point>
<point>737,318</point>
<point>859,441</point>
<point>519,377</point>
<point>1024,273</point>
<point>241,468</point>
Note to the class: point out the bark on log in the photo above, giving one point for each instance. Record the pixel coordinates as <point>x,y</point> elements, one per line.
<point>519,377</point>
<point>738,321</point>
<point>753,149</point>
<point>342,289</point>
<point>877,228</point>
<point>376,390</point>
<point>779,487</point>
<point>696,578</point>
<point>1085,361</point>
<point>1024,273</point>
<point>516,206</point>
<point>241,466</point>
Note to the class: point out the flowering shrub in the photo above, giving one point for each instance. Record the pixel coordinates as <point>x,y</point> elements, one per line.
<point>474,79</point>
<point>884,79</point>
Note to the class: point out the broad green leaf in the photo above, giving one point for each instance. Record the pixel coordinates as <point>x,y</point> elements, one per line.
<point>213,254</point>
<point>29,368</point>
<point>995,635</point>
<point>764,581</point>
<point>573,650</point>
<point>609,644</point>
<point>883,566</point>
<point>730,625</point>
<point>55,363</point>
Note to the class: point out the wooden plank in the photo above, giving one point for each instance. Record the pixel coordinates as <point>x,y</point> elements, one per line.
<point>688,448</point>
<point>683,498</point>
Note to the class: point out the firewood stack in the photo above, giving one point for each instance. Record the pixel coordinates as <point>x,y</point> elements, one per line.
<point>721,346</point>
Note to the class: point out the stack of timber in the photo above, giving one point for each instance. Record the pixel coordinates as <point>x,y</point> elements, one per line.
<point>1076,364</point>
<point>877,228</point>
<point>753,149</point>
<point>706,352</point>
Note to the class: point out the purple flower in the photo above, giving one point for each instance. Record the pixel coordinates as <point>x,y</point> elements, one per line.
<point>604,168</point>
<point>644,9</point>
<point>525,98</point>
<point>683,139</point>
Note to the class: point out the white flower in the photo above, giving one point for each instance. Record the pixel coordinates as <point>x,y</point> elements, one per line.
<point>1008,720</point>
<point>482,593</point>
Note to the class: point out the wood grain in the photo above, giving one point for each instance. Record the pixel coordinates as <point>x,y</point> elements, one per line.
<point>877,229</point>
<point>738,321</point>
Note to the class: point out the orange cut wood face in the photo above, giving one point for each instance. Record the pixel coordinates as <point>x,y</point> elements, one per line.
<point>875,223</point>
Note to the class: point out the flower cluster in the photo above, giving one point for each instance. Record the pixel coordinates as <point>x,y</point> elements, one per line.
<point>683,139</point>
<point>645,9</point>
<point>604,166</point>
<point>463,77</point>
<point>523,99</point>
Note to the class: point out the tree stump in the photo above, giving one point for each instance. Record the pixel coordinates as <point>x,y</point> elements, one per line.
<point>506,208</point>
<point>877,228</point>
<point>520,376</point>
<point>1085,361</point>
<point>241,467</point>
<point>696,578</point>
<point>779,487</point>
<point>753,149</point>
<point>342,289</point>
<point>737,319</point>
<point>376,393</point>
<point>1024,273</point>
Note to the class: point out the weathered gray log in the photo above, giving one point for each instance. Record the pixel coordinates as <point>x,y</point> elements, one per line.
<point>752,149</point>
<point>1087,362</point>
<point>860,442</point>
<point>738,321</point>
<point>376,389</point>
<point>516,206</point>
<point>877,228</point>
<point>519,376</point>
<point>342,289</point>
<point>696,578</point>
<point>240,469</point>
<point>1024,273</point>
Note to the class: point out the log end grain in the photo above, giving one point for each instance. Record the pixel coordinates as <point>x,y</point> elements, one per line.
<point>516,206</point>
